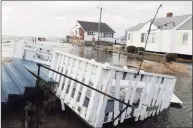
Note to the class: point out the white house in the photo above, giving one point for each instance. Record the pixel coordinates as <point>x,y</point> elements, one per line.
<point>170,38</point>
<point>86,31</point>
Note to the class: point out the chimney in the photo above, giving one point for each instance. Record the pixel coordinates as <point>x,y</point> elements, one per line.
<point>169,14</point>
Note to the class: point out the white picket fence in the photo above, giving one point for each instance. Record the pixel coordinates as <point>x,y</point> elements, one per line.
<point>147,90</point>
<point>144,92</point>
<point>33,52</point>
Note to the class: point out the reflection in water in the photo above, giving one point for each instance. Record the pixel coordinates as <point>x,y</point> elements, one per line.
<point>98,55</point>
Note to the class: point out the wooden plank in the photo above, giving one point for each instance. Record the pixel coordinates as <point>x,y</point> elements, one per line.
<point>103,100</point>
<point>175,99</point>
<point>57,66</point>
<point>142,98</point>
<point>119,76</point>
<point>68,96</point>
<point>132,96</point>
<point>155,96</point>
<point>134,89</point>
<point>67,80</point>
<point>94,95</point>
<point>129,78</point>
<point>168,94</point>
<point>147,97</point>
<point>85,60</point>
<point>58,92</point>
<point>110,116</point>
<point>173,83</point>
<point>74,102</point>
<point>83,93</point>
<point>60,69</point>
<point>62,105</point>
<point>150,96</point>
<point>141,72</point>
<point>161,94</point>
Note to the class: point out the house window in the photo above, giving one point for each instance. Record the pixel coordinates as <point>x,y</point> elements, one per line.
<point>105,35</point>
<point>102,35</point>
<point>153,38</point>
<point>129,36</point>
<point>185,38</point>
<point>110,35</point>
<point>90,33</point>
<point>142,37</point>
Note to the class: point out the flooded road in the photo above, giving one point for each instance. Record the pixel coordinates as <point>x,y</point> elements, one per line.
<point>174,117</point>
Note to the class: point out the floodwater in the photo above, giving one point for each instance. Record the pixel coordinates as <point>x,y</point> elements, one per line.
<point>173,117</point>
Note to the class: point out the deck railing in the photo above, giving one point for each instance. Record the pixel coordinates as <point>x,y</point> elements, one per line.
<point>147,94</point>
<point>33,52</point>
<point>99,92</point>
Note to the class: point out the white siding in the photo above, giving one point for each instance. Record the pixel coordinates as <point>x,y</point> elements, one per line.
<point>129,41</point>
<point>169,41</point>
<point>177,39</point>
<point>135,38</point>
<point>165,41</point>
<point>89,37</point>
<point>74,29</point>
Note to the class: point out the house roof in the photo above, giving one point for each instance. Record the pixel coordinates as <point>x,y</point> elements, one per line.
<point>161,21</point>
<point>93,26</point>
<point>187,25</point>
<point>136,27</point>
<point>176,19</point>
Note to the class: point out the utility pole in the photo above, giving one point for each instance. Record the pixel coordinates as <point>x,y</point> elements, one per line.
<point>99,24</point>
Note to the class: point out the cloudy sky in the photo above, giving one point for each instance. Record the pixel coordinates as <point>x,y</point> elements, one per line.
<point>55,18</point>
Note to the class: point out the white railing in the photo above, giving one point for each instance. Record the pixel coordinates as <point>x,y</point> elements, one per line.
<point>33,52</point>
<point>148,90</point>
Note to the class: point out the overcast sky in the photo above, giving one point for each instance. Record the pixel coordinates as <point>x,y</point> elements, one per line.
<point>55,18</point>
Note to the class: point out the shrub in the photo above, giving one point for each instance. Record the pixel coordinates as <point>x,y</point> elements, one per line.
<point>131,49</point>
<point>171,57</point>
<point>123,47</point>
<point>138,49</point>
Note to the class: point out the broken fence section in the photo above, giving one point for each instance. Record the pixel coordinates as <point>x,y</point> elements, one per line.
<point>147,94</point>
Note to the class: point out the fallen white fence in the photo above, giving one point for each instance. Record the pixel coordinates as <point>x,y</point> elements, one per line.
<point>148,93</point>
<point>33,52</point>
